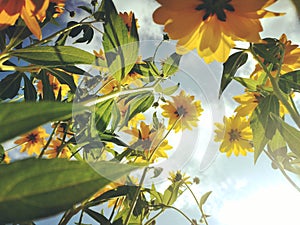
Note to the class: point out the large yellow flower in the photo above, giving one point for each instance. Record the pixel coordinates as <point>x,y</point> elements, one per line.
<point>235,135</point>
<point>55,150</point>
<point>31,11</point>
<point>212,26</point>
<point>33,141</point>
<point>183,112</point>
<point>149,142</point>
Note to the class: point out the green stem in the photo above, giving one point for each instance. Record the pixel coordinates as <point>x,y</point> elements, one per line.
<point>136,196</point>
<point>178,210</point>
<point>277,91</point>
<point>115,94</point>
<point>48,142</point>
<point>198,204</point>
<point>154,217</point>
<point>282,171</point>
<point>69,214</point>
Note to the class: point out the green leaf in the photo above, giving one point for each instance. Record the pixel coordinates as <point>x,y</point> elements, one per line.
<point>10,85</point>
<point>102,114</point>
<point>116,116</point>
<point>290,134</point>
<point>230,67</point>
<point>204,198</point>
<point>29,90</point>
<point>52,56</point>
<point>35,188</point>
<point>290,81</point>
<point>171,193</point>
<point>250,84</point>
<point>263,127</point>
<point>98,217</point>
<point>120,45</point>
<point>277,142</point>
<point>19,118</point>
<point>64,78</point>
<point>167,91</point>
<point>171,65</point>
<point>48,92</point>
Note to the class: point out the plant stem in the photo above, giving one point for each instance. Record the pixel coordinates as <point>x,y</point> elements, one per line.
<point>282,170</point>
<point>198,204</point>
<point>277,91</point>
<point>115,94</point>
<point>69,214</point>
<point>154,217</point>
<point>49,140</point>
<point>136,196</point>
<point>178,210</point>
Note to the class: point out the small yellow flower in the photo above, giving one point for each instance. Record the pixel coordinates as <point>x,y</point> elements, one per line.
<point>212,26</point>
<point>147,140</point>
<point>183,112</point>
<point>54,150</point>
<point>110,85</point>
<point>178,176</point>
<point>61,129</point>
<point>235,135</point>
<point>127,18</point>
<point>33,141</point>
<point>55,85</point>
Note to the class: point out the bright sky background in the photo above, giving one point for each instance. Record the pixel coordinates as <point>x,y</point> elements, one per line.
<point>243,193</point>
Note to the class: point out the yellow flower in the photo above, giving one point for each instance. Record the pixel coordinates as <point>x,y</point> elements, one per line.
<point>147,140</point>
<point>29,10</point>
<point>33,141</point>
<point>212,26</point>
<point>110,84</point>
<point>178,176</point>
<point>59,8</point>
<point>249,101</point>
<point>127,18</point>
<point>235,135</point>
<point>55,85</point>
<point>55,150</point>
<point>183,112</point>
<point>291,60</point>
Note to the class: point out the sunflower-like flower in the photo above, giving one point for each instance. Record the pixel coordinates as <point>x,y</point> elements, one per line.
<point>290,62</point>
<point>235,135</point>
<point>33,141</point>
<point>56,151</point>
<point>31,11</point>
<point>149,142</point>
<point>183,112</point>
<point>178,176</point>
<point>55,85</point>
<point>212,26</point>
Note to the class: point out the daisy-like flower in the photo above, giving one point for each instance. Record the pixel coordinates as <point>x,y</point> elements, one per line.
<point>178,176</point>
<point>31,11</point>
<point>33,141</point>
<point>61,129</point>
<point>127,18</point>
<point>56,86</point>
<point>183,112</point>
<point>149,142</point>
<point>235,135</point>
<point>291,60</point>
<point>212,26</point>
<point>54,150</point>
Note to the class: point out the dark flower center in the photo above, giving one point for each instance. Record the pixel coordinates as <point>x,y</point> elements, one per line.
<point>234,134</point>
<point>32,138</point>
<point>180,111</point>
<point>218,7</point>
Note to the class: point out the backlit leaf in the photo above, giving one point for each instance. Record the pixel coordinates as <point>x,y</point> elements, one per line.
<point>10,85</point>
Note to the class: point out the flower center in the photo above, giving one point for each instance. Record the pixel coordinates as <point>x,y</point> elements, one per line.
<point>180,111</point>
<point>234,135</point>
<point>32,138</point>
<point>218,7</point>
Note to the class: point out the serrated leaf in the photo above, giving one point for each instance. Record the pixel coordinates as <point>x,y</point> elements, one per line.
<point>120,45</point>
<point>171,65</point>
<point>204,198</point>
<point>263,127</point>
<point>19,118</point>
<point>52,56</point>
<point>47,187</point>
<point>10,85</point>
<point>230,67</point>
<point>29,89</point>
<point>290,134</point>
<point>250,84</point>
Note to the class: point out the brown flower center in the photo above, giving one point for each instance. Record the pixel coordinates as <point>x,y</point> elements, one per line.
<point>180,111</point>
<point>32,138</point>
<point>234,135</point>
<point>218,7</point>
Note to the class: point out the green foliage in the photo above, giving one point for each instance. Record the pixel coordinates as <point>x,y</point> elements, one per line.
<point>30,93</point>
<point>19,118</point>
<point>10,85</point>
<point>248,83</point>
<point>171,65</point>
<point>290,81</point>
<point>230,67</point>
<point>47,187</point>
